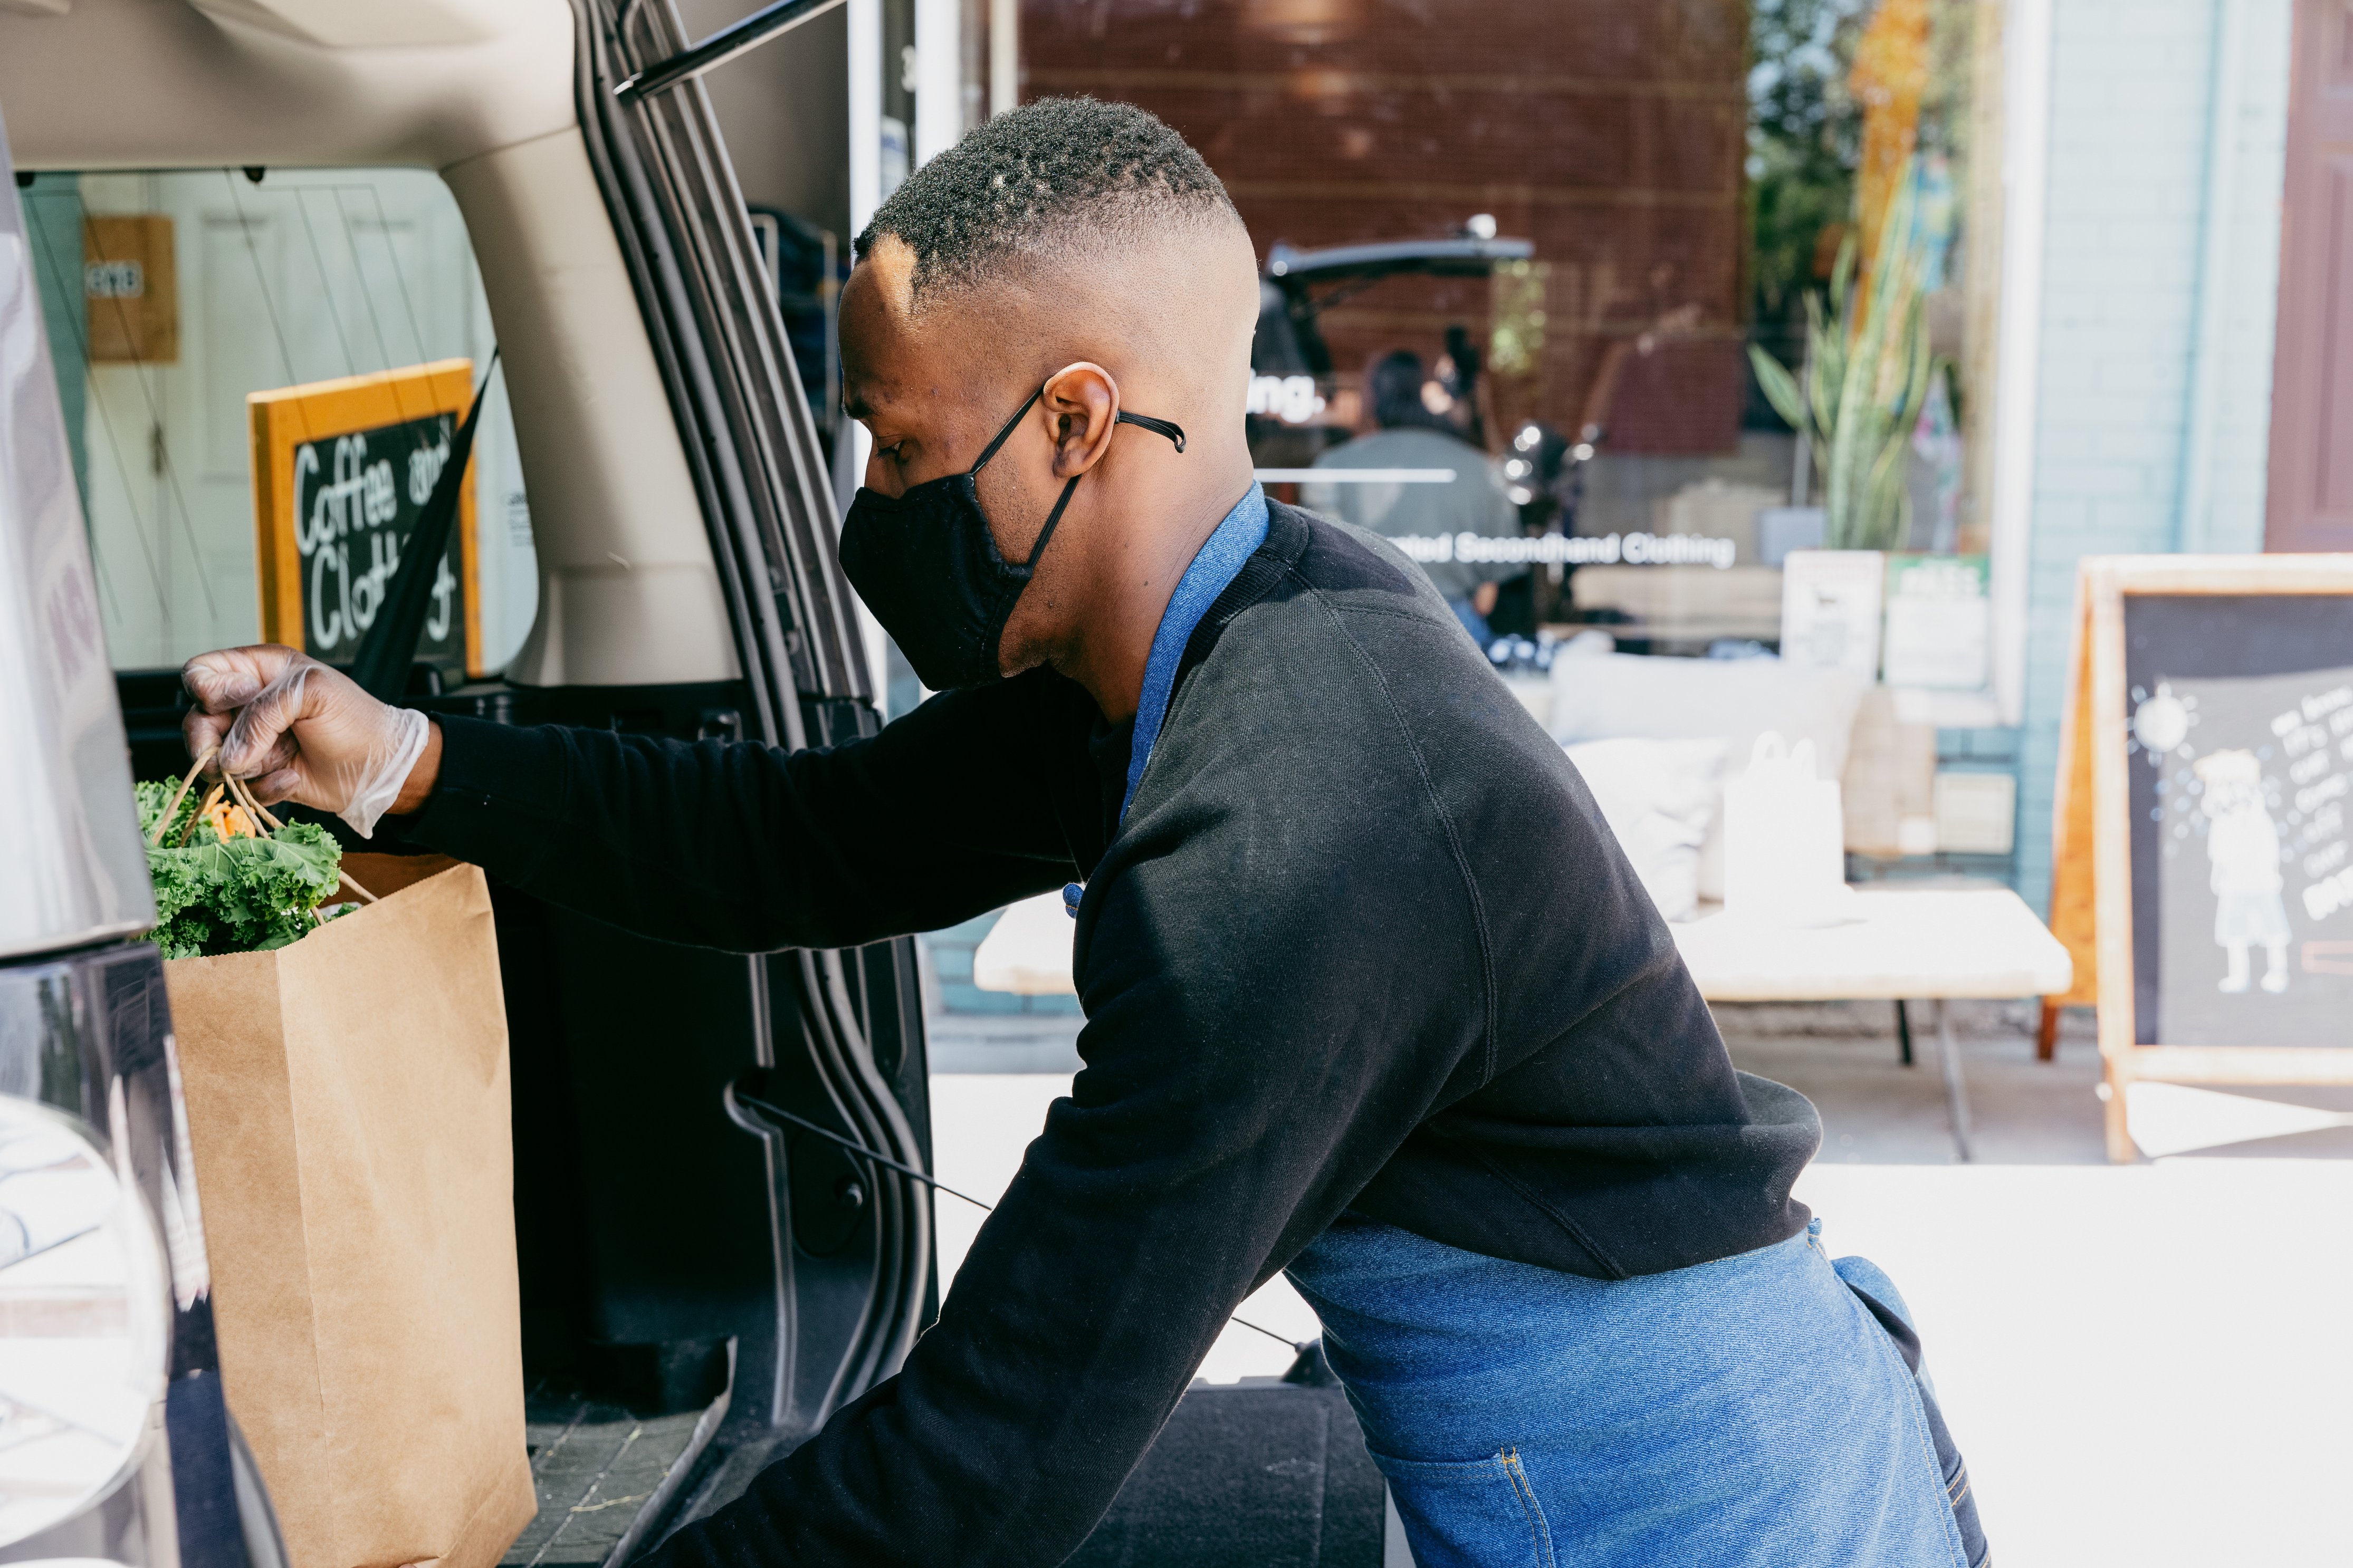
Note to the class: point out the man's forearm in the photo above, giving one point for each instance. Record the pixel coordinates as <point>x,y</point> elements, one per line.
<point>739,846</point>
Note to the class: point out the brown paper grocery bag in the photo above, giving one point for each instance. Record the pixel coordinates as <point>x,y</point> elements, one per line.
<point>347,1100</point>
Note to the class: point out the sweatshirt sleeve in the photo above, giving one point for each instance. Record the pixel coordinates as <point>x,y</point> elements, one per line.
<point>1249,1068</point>
<point>944,815</point>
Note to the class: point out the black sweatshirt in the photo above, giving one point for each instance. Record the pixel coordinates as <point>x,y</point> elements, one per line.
<point>1363,942</point>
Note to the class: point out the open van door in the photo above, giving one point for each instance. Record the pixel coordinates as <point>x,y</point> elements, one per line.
<point>685,1256</point>
<point>847,1046</point>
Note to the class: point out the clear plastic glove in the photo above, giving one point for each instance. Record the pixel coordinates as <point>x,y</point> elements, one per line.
<point>297,730</point>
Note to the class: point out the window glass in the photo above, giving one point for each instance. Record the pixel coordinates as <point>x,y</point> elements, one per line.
<point>186,308</point>
<point>1664,184</point>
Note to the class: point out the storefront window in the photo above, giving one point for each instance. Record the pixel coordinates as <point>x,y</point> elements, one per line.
<point>1582,222</point>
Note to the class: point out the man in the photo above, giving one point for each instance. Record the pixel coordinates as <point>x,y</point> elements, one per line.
<point>1371,994</point>
<point>1400,432</point>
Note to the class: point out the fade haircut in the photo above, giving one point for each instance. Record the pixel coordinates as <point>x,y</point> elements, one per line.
<point>1046,179</point>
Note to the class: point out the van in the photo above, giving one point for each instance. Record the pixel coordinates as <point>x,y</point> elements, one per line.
<point>227,215</point>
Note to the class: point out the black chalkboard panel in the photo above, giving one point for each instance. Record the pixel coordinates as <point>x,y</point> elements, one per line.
<point>342,472</point>
<point>2239,714</point>
<point>357,497</point>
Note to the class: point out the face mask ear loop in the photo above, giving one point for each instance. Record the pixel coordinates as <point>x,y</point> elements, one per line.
<point>1011,426</point>
<point>1168,427</point>
<point>1052,518</point>
<point>1157,426</point>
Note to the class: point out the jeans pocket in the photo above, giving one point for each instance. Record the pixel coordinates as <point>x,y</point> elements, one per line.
<point>1476,1514</point>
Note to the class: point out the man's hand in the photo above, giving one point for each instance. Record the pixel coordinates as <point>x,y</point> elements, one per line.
<point>297,729</point>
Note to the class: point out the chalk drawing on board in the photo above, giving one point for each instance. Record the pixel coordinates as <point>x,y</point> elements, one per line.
<point>2162,721</point>
<point>2255,866</point>
<point>2243,846</point>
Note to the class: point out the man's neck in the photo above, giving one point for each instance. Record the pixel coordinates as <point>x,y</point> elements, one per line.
<point>1137,571</point>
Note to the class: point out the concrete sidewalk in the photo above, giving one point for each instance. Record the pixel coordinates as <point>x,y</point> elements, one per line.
<point>2145,1365</point>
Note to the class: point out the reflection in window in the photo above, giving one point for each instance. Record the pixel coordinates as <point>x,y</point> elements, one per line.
<point>1683,177</point>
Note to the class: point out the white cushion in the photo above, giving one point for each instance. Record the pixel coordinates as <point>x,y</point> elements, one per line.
<point>1660,797</point>
<point>1734,700</point>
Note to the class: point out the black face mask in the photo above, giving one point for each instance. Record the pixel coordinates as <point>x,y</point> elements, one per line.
<point>927,566</point>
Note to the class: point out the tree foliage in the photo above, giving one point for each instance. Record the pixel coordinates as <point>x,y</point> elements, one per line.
<point>1805,140</point>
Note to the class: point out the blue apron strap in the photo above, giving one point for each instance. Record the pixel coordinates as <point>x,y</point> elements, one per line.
<point>1215,564</point>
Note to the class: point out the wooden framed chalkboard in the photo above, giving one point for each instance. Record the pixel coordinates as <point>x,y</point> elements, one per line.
<point>341,471</point>
<point>2207,757</point>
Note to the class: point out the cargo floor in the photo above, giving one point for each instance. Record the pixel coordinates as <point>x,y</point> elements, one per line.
<point>604,1476</point>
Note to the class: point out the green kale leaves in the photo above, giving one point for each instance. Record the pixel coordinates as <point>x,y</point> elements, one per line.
<point>237,895</point>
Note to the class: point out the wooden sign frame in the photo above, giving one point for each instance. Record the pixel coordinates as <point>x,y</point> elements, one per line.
<point>286,419</point>
<point>2092,904</point>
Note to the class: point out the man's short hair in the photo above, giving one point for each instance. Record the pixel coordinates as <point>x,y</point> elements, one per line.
<point>1393,384</point>
<point>1040,179</point>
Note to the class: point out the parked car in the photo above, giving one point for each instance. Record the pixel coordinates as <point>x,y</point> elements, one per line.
<point>339,188</point>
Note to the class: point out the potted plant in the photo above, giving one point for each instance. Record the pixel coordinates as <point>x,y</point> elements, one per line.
<point>1866,376</point>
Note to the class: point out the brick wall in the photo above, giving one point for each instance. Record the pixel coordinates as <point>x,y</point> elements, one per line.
<point>1610,133</point>
<point>2133,91</point>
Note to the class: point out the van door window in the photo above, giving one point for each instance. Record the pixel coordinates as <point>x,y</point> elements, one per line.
<point>189,309</point>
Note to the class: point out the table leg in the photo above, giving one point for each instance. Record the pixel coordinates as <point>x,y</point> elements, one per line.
<point>1903,1034</point>
<point>2114,1082</point>
<point>1956,1094</point>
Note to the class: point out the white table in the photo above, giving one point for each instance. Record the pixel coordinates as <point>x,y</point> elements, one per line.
<point>1906,945</point>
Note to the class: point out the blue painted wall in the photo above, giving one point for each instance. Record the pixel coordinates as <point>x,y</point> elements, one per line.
<point>2130,455</point>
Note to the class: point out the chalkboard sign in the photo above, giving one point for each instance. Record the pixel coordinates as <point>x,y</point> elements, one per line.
<point>343,470</point>
<point>2207,757</point>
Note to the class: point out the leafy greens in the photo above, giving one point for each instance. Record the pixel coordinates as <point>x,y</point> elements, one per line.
<point>232,894</point>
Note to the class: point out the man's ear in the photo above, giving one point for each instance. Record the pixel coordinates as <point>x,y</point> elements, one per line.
<point>1081,407</point>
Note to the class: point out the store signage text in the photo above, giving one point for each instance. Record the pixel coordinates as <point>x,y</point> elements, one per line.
<point>1290,398</point>
<point>357,502</point>
<point>1563,550</point>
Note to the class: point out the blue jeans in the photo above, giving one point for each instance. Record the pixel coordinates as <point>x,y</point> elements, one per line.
<point>1749,1411</point>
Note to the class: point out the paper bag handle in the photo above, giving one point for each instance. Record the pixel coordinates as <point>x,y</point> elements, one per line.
<point>1783,758</point>
<point>172,806</point>
<point>1769,748</point>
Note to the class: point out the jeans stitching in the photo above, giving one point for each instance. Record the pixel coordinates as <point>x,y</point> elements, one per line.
<point>1539,1532</point>
<point>1918,1418</point>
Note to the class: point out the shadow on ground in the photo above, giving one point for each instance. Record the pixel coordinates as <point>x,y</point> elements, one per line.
<point>1843,1056</point>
